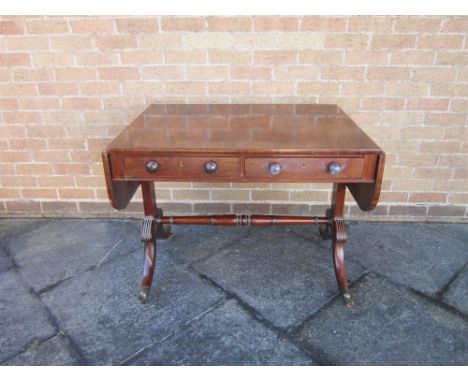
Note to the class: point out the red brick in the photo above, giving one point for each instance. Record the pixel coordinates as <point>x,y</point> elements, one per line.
<point>11,27</point>
<point>15,59</point>
<point>33,74</point>
<point>229,24</point>
<point>375,24</point>
<point>366,57</point>
<point>428,104</point>
<point>230,88</point>
<point>279,24</point>
<point>347,41</point>
<point>342,73</point>
<point>417,24</point>
<point>39,193</point>
<point>394,41</point>
<point>47,26</point>
<point>55,88</point>
<point>250,73</point>
<point>141,57</point>
<point>75,74</point>
<point>80,103</point>
<point>456,24</point>
<point>116,42</point>
<point>23,117</point>
<point>435,41</point>
<point>187,24</point>
<point>323,23</point>
<point>119,73</point>
<point>275,57</point>
<point>137,25</point>
<point>28,43</point>
<point>71,43</point>
<point>90,25</point>
<point>23,206</point>
<point>388,73</point>
<point>48,59</point>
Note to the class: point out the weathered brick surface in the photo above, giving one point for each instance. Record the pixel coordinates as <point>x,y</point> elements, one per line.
<point>68,85</point>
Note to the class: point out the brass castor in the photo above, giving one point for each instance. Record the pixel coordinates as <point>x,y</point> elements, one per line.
<point>325,231</point>
<point>143,294</point>
<point>348,300</point>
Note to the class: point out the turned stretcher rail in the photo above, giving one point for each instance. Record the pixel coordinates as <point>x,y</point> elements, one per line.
<point>242,220</point>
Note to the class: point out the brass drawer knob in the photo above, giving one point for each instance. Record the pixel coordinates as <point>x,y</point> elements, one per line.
<point>152,166</point>
<point>334,168</point>
<point>211,167</point>
<point>275,168</point>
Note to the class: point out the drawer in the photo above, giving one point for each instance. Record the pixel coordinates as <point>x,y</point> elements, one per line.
<point>180,168</point>
<point>304,169</point>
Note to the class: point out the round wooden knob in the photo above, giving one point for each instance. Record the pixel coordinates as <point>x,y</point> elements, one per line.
<point>210,167</point>
<point>275,168</point>
<point>152,166</point>
<point>334,168</point>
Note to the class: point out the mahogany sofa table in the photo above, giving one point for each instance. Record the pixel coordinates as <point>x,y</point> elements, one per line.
<point>244,143</point>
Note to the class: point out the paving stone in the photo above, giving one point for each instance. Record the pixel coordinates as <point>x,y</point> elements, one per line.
<point>457,293</point>
<point>99,309</point>
<point>283,276</point>
<point>227,335</point>
<point>388,326</point>
<point>410,254</point>
<point>10,227</point>
<point>22,316</point>
<point>59,249</point>
<point>54,352</point>
<point>458,231</point>
<point>192,243</point>
<point>5,261</point>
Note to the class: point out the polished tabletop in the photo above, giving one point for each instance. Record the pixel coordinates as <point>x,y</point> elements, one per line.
<point>243,128</point>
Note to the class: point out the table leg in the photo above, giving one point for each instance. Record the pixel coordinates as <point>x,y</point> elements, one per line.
<point>148,236</point>
<point>338,235</point>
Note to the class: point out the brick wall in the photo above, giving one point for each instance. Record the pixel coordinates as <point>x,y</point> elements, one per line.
<point>68,85</point>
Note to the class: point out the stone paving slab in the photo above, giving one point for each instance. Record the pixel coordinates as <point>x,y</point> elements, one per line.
<point>54,352</point>
<point>407,253</point>
<point>99,309</point>
<point>59,249</point>
<point>457,231</point>
<point>10,227</point>
<point>5,261</point>
<point>192,243</point>
<point>22,317</point>
<point>227,335</point>
<point>276,280</point>
<point>389,326</point>
<point>283,276</point>
<point>457,293</point>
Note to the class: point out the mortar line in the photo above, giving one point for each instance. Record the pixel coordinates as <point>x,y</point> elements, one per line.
<point>251,311</point>
<point>441,304</point>
<point>50,317</point>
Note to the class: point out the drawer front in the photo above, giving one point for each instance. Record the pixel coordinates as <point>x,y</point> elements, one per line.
<point>304,169</point>
<point>181,168</point>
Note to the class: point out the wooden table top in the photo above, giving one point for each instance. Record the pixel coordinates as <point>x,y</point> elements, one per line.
<point>244,128</point>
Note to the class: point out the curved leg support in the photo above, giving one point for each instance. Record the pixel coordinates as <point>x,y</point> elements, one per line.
<point>148,271</point>
<point>149,240</point>
<point>338,242</point>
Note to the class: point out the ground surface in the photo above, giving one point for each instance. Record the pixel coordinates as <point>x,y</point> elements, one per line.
<point>232,296</point>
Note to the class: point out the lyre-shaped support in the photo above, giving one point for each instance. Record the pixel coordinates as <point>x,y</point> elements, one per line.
<point>149,240</point>
<point>338,229</point>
